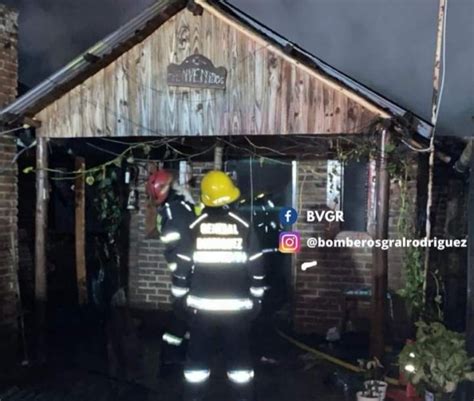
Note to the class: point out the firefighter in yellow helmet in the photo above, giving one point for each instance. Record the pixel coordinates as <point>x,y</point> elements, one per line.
<point>220,275</point>
<point>217,189</point>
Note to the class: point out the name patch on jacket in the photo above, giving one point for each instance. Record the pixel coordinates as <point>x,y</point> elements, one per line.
<point>219,229</point>
<point>219,243</point>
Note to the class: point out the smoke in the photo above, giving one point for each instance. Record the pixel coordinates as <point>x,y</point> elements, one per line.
<point>387,45</point>
<point>52,32</point>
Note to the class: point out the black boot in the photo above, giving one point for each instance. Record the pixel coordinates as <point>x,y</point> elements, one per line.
<point>194,392</point>
<point>243,392</point>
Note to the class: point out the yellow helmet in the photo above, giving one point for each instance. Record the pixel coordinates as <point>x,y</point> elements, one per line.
<point>217,189</point>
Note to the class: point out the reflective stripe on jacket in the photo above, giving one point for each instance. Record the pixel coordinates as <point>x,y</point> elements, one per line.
<point>219,265</point>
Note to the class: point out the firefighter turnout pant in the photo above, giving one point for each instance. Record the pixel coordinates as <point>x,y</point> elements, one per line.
<point>174,338</point>
<point>231,331</point>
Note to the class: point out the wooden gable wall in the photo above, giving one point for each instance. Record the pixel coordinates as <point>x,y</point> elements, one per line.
<point>265,93</point>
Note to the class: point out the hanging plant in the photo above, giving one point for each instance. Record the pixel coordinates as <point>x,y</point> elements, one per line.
<point>109,211</point>
<point>398,167</point>
<point>413,291</point>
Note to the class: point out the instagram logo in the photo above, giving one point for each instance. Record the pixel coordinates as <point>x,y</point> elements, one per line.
<point>289,242</point>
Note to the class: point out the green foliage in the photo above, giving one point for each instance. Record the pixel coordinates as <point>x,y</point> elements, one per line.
<point>437,361</point>
<point>398,159</point>
<point>412,292</point>
<point>367,148</point>
<point>107,201</point>
<point>109,212</point>
<point>429,308</point>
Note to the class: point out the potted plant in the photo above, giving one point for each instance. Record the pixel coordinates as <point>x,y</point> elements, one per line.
<point>374,376</point>
<point>437,361</point>
<point>369,393</point>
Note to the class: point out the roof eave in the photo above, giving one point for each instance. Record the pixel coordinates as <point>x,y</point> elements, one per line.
<point>92,59</point>
<point>108,49</point>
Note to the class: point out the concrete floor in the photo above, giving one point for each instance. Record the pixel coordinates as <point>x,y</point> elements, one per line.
<point>294,377</point>
<point>78,371</point>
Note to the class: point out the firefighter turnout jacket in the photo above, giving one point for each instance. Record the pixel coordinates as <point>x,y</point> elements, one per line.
<point>173,220</point>
<point>172,223</point>
<point>220,268</point>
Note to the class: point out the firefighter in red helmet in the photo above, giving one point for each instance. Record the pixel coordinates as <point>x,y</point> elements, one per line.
<point>220,277</point>
<point>175,208</point>
<point>159,185</point>
<point>175,212</point>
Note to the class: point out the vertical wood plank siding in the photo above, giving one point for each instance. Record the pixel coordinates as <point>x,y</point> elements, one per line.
<point>265,94</point>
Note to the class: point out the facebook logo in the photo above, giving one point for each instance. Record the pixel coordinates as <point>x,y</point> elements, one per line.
<point>288,215</point>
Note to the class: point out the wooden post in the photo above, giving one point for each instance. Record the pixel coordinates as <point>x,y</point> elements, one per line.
<point>379,256</point>
<point>218,157</point>
<point>470,277</point>
<point>80,232</point>
<point>41,294</point>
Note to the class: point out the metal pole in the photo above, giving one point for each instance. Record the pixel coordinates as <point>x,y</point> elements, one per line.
<point>438,67</point>
<point>379,256</point>
<point>41,296</point>
<point>438,71</point>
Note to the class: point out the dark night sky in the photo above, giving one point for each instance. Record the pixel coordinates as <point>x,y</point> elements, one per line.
<point>386,44</point>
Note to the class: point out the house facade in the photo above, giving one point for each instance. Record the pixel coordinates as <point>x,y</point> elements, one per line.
<point>203,69</point>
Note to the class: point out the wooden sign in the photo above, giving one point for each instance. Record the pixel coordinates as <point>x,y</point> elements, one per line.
<point>197,71</point>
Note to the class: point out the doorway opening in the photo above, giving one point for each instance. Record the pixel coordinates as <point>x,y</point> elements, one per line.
<point>266,188</point>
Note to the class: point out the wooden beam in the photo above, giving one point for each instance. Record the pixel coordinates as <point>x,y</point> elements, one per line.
<point>379,256</point>
<point>324,79</point>
<point>194,8</point>
<point>80,232</point>
<point>41,287</point>
<point>31,122</point>
<point>218,157</point>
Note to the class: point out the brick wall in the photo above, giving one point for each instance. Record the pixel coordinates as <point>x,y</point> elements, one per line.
<point>318,301</point>
<point>149,277</point>
<point>317,296</point>
<point>8,181</point>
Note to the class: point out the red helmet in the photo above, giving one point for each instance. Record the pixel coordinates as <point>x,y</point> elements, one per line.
<point>158,185</point>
